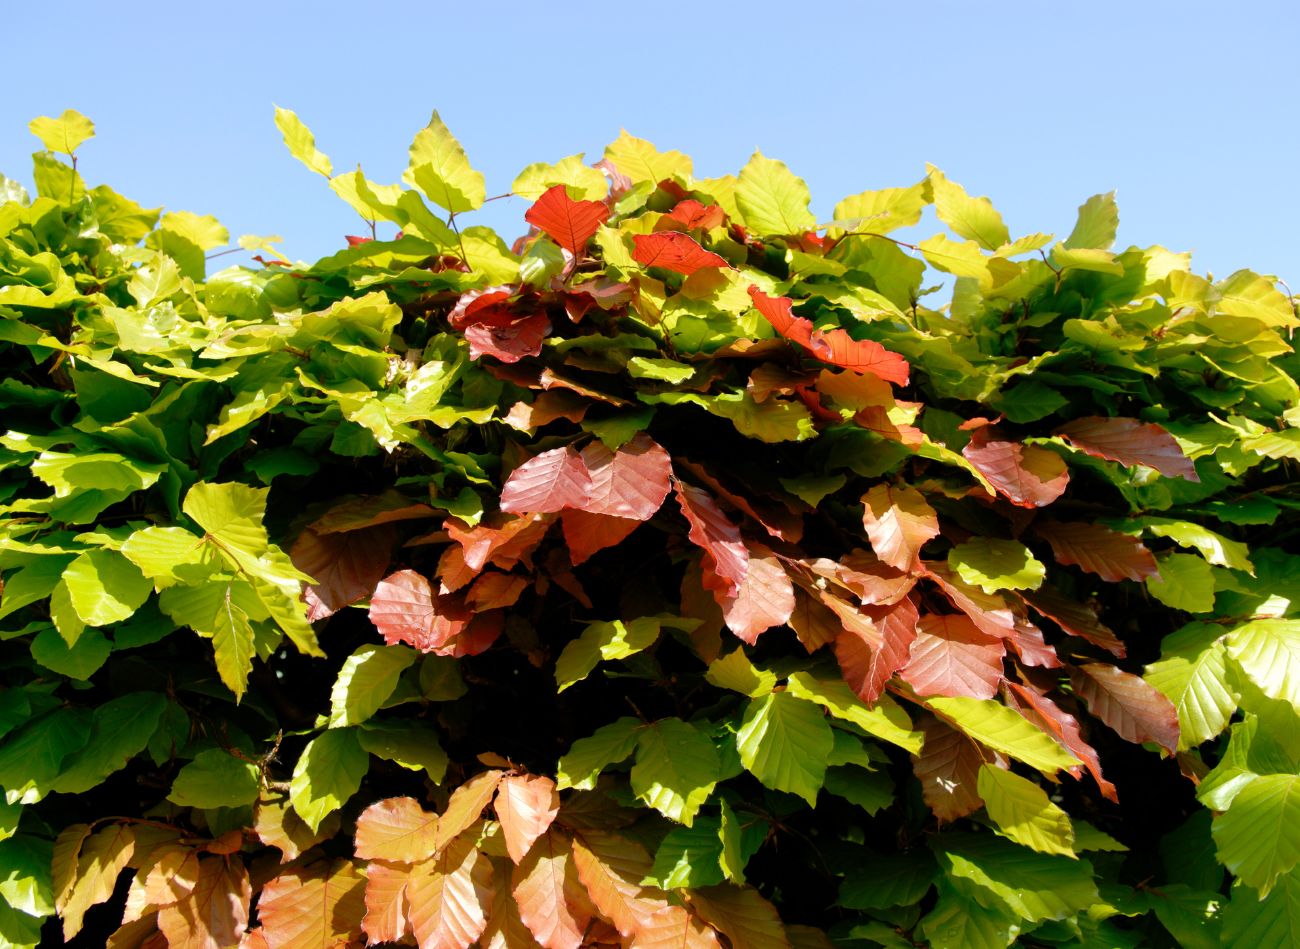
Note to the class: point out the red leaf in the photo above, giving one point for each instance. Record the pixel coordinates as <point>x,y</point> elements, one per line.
<point>509,343</point>
<point>486,304</point>
<point>396,829</point>
<point>834,346</point>
<point>899,522</point>
<point>585,534</point>
<point>1074,617</point>
<point>569,223</point>
<point>1028,642</point>
<point>500,543</point>
<point>951,656</point>
<point>674,251</point>
<point>1047,716</point>
<point>1107,553</point>
<point>779,522</point>
<point>355,241</point>
<point>1027,475</point>
<point>631,482</point>
<point>765,598</point>
<point>546,483</point>
<point>552,902</point>
<point>1130,442</point>
<point>404,610</point>
<point>482,630</point>
<point>526,806</point>
<point>313,907</point>
<point>690,214</point>
<point>1125,702</point>
<point>870,655</point>
<point>726,559</point>
<point>346,566</point>
<point>948,769</point>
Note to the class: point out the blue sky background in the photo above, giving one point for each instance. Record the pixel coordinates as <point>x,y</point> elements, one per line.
<point>1191,111</point>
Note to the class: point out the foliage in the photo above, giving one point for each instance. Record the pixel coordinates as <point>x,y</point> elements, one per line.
<point>674,575</point>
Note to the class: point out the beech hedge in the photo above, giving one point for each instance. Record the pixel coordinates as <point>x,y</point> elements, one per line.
<point>687,572</point>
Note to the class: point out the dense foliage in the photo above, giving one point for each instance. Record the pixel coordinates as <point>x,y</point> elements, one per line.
<point>681,574</point>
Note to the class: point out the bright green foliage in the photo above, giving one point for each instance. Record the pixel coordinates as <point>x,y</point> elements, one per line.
<point>684,566</point>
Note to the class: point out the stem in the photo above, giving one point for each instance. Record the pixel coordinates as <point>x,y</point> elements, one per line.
<point>464,258</point>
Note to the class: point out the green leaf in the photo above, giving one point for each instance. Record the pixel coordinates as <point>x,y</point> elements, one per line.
<point>1029,402</point>
<point>25,882</point>
<point>169,554</point>
<point>1185,582</point>
<point>872,791</point>
<point>65,133</point>
<point>1031,885</point>
<point>664,370</point>
<point>440,169</point>
<point>784,741</point>
<point>231,514</point>
<point>676,768</point>
<point>893,880</point>
<point>689,856</point>
<point>120,730</point>
<point>879,212</point>
<point>406,744</point>
<point>641,161</point>
<point>1004,730</point>
<point>994,564</point>
<point>740,841</point>
<point>1215,548</point>
<point>216,778</point>
<point>302,144</point>
<point>885,719</point>
<point>1097,223</point>
<point>1252,923</point>
<point>1022,811</point>
<point>1268,651</point>
<point>605,640</point>
<point>79,661</point>
<point>365,682</point>
<point>589,756</point>
<point>734,671</point>
<point>972,218</point>
<point>583,182</point>
<point>105,587</point>
<point>233,643</point>
<point>960,922</point>
<point>32,757</point>
<point>328,772</point>
<point>772,199</point>
<point>1258,837</point>
<point>1192,673</point>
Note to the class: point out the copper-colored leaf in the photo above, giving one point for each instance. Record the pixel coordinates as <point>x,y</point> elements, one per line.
<point>552,901</point>
<point>631,482</point>
<point>546,483</point>
<point>466,806</point>
<point>742,915</point>
<point>569,223</point>
<point>316,907</point>
<point>170,874</point>
<point>370,511</point>
<point>948,768</point>
<point>870,653</point>
<point>482,305</point>
<point>526,805</point>
<point>951,656</point>
<point>1130,442</point>
<point>1076,618</point>
<point>678,928</point>
<point>546,408</point>
<point>899,522</point>
<point>510,342</point>
<point>396,829</point>
<point>278,825</point>
<point>404,610</point>
<point>493,591</point>
<point>1028,642</point>
<point>346,565</point>
<point>1048,717</point>
<point>63,866</point>
<point>1107,553</point>
<point>813,622</point>
<point>1127,703</point>
<point>449,896</point>
<point>611,868</point>
<point>726,559</point>
<point>386,903</point>
<point>691,214</point>
<point>1025,474</point>
<point>501,540</point>
<point>834,346</point>
<point>215,914</point>
<point>765,597</point>
<point>586,534</point>
<point>989,611</point>
<point>103,856</point>
<point>675,251</point>
<point>505,928</point>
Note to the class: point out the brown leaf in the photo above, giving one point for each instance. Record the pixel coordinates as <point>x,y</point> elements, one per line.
<point>1127,703</point>
<point>346,565</point>
<point>449,896</point>
<point>465,806</point>
<point>396,829</point>
<point>317,907</point>
<point>495,591</point>
<point>505,929</point>
<point>278,825</point>
<point>500,540</point>
<point>952,656</point>
<point>525,805</point>
<point>611,868</point>
<point>1130,442</point>
<point>552,901</point>
<point>1025,474</point>
<point>674,251</point>
<point>586,534</point>
<point>370,511</point>
<point>948,768</point>
<point>726,559</point>
<point>1048,717</point>
<point>765,598</point>
<point>569,223</point>
<point>215,914</point>
<point>1109,554</point>
<point>899,522</point>
<point>404,610</point>
<point>1074,617</point>
<point>742,915</point>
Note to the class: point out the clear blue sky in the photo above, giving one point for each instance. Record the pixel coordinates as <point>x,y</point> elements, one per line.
<point>1190,110</point>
